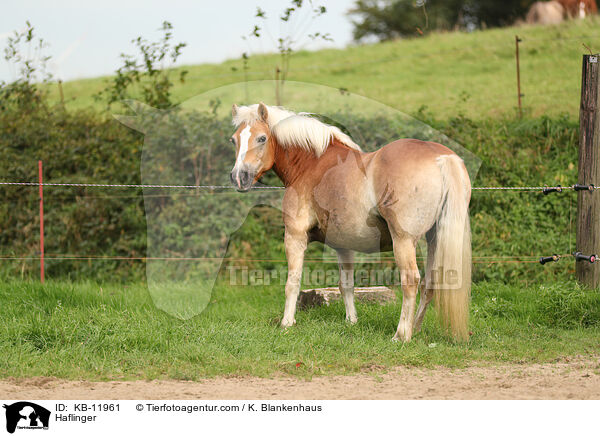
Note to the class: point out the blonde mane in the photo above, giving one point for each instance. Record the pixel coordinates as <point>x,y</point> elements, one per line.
<point>295,130</point>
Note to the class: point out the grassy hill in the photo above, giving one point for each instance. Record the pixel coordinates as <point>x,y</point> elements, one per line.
<point>472,74</point>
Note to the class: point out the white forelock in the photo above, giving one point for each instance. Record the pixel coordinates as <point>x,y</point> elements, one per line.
<point>249,115</point>
<point>295,130</point>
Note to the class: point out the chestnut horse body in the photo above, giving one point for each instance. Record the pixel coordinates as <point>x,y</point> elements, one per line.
<point>579,8</point>
<point>368,202</point>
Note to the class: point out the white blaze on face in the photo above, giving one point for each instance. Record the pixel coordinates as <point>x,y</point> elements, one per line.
<point>239,162</point>
<point>244,137</point>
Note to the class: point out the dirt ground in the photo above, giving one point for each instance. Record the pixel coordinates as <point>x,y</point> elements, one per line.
<point>567,379</point>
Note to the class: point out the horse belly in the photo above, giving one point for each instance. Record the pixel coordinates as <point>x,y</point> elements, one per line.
<point>365,231</point>
<point>346,209</point>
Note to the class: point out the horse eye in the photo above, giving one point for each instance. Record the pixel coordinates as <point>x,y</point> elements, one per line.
<point>262,138</point>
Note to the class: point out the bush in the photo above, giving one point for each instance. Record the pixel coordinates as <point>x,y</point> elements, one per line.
<point>86,147</point>
<point>75,147</point>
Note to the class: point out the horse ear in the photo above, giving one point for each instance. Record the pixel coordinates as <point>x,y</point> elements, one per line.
<point>234,110</point>
<point>263,112</point>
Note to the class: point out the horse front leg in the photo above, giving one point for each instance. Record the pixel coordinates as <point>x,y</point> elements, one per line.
<point>406,259</point>
<point>295,246</point>
<point>346,264</point>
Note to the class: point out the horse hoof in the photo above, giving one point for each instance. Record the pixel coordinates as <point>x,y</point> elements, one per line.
<point>286,324</point>
<point>397,338</point>
<point>352,320</point>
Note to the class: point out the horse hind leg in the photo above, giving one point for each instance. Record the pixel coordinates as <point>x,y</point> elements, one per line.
<point>406,259</point>
<point>426,297</point>
<point>427,289</point>
<point>346,265</point>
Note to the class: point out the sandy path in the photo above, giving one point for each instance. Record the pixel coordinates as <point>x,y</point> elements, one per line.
<point>575,379</point>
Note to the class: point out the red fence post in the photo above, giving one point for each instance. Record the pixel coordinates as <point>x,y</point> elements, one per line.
<point>41,222</point>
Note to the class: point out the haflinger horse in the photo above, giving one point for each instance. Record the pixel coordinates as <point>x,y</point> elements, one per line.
<point>367,202</point>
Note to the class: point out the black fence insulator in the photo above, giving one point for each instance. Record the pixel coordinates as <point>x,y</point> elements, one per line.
<point>548,190</point>
<point>578,187</point>
<point>582,257</point>
<point>553,258</point>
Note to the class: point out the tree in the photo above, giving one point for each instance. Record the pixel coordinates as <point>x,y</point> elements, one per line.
<point>389,19</point>
<point>504,13</point>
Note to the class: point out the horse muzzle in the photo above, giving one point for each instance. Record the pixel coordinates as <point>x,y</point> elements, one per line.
<point>242,179</point>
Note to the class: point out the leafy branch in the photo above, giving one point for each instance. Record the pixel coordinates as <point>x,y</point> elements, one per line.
<point>24,52</point>
<point>287,44</point>
<point>148,71</point>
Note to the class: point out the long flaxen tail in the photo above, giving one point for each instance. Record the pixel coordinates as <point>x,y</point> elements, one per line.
<point>450,274</point>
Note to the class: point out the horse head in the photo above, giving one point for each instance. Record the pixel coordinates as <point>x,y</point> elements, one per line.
<point>255,149</point>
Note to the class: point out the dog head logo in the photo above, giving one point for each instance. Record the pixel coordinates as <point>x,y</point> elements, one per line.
<point>26,415</point>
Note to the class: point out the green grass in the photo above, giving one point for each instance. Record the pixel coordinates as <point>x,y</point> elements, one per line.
<point>97,332</point>
<point>473,74</point>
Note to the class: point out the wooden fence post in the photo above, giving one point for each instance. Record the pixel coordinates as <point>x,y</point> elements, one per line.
<point>588,202</point>
<point>277,88</point>
<point>519,94</point>
<point>61,94</point>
